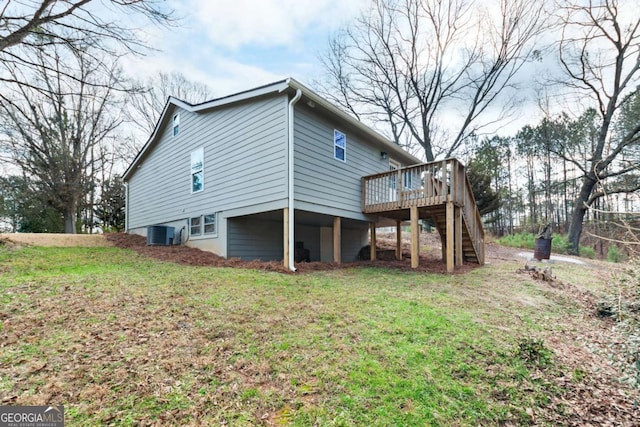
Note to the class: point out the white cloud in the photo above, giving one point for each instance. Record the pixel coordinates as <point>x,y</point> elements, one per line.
<point>233,45</point>
<point>234,76</point>
<point>236,23</point>
<point>223,75</point>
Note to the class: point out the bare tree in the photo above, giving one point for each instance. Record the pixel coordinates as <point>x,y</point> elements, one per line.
<point>51,126</point>
<point>74,20</point>
<point>146,106</point>
<point>109,26</point>
<point>425,68</point>
<point>600,54</point>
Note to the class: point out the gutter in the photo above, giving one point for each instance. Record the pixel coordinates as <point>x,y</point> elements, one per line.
<point>293,102</point>
<point>370,133</point>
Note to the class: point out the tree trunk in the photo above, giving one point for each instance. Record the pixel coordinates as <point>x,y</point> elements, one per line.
<point>70,220</point>
<point>533,214</point>
<point>566,199</point>
<point>579,211</point>
<point>510,204</point>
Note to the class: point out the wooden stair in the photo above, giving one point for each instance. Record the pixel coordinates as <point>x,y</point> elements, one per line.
<point>439,191</point>
<point>469,252</point>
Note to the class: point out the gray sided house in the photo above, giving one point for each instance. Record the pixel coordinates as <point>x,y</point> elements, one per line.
<point>259,175</point>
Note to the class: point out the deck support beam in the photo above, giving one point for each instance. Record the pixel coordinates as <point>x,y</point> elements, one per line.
<point>443,194</point>
<point>399,240</point>
<point>337,240</point>
<point>372,228</point>
<point>286,237</point>
<point>450,237</point>
<point>458,236</point>
<point>415,238</point>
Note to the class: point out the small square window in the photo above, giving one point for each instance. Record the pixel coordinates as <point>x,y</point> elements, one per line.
<point>176,124</point>
<point>210,224</point>
<point>339,146</point>
<point>195,226</point>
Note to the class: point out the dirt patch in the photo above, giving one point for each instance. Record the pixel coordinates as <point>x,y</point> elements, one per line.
<point>54,239</point>
<point>430,258</point>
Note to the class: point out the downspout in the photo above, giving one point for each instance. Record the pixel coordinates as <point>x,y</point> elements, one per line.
<point>291,162</point>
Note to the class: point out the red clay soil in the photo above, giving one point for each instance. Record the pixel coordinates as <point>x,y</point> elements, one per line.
<point>431,261</point>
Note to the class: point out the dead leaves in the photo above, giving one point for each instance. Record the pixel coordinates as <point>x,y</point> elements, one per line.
<point>545,275</point>
<point>589,391</point>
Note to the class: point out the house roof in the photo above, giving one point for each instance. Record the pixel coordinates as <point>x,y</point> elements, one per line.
<point>276,87</point>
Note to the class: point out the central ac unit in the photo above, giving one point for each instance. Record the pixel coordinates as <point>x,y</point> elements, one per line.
<point>160,235</point>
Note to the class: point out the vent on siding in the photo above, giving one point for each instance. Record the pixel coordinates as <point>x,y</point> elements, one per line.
<point>159,235</point>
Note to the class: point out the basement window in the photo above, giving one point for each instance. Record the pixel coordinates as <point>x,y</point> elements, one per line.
<point>339,146</point>
<point>210,224</point>
<point>195,223</point>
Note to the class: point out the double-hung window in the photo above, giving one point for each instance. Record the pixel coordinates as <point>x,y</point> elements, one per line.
<point>176,124</point>
<point>339,146</point>
<point>196,223</point>
<point>210,224</point>
<point>197,171</point>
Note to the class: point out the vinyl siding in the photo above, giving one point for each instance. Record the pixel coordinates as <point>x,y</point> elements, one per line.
<point>252,238</point>
<point>244,163</point>
<point>353,239</point>
<point>310,236</point>
<point>323,183</point>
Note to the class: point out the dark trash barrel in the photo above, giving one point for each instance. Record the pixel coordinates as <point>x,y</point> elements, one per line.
<point>542,249</point>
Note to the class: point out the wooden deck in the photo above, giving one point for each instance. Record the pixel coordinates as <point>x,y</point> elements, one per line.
<point>439,191</point>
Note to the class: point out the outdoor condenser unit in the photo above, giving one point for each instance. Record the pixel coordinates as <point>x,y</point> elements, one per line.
<point>159,235</point>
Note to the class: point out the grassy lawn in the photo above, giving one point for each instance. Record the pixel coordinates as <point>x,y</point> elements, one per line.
<point>124,340</point>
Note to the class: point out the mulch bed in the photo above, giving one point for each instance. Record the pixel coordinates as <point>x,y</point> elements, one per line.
<point>429,262</point>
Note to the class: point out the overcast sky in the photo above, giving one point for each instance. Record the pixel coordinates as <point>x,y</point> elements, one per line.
<point>234,45</point>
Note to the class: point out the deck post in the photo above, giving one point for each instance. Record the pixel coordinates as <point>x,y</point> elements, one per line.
<point>443,194</point>
<point>337,242</point>
<point>286,237</point>
<point>372,227</point>
<point>399,240</point>
<point>458,236</point>
<point>415,238</point>
<point>450,236</point>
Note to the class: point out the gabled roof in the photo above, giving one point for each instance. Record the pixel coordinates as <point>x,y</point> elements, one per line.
<point>276,87</point>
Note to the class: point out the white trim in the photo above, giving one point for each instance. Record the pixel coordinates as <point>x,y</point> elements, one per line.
<point>291,202</point>
<point>252,93</point>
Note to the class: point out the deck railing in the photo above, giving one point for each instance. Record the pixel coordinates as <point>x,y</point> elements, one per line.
<point>424,185</point>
